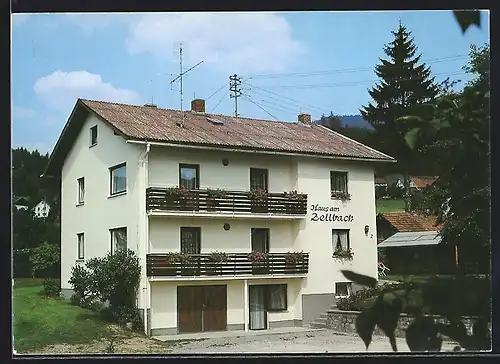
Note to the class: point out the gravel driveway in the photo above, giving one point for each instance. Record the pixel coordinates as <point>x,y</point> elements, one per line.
<point>317,341</point>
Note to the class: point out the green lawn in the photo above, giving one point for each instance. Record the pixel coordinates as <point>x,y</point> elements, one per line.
<point>389,205</point>
<point>40,321</point>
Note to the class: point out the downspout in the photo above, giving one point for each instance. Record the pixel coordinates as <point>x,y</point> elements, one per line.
<point>146,295</point>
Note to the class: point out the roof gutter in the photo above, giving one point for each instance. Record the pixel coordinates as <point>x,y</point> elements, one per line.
<point>163,144</point>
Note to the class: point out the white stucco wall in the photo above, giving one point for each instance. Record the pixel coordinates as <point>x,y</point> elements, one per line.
<point>164,301</point>
<point>99,213</point>
<point>316,236</point>
<point>164,234</point>
<point>164,169</point>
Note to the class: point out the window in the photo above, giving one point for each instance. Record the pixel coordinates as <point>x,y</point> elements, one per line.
<point>189,176</point>
<point>93,135</point>
<point>338,182</point>
<point>81,190</point>
<point>258,179</point>
<point>340,240</point>
<point>81,242</point>
<point>342,289</point>
<point>118,179</point>
<point>190,240</point>
<point>118,239</point>
<point>260,240</point>
<point>274,296</point>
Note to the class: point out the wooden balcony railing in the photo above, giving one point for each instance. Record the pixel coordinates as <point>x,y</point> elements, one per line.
<point>157,199</point>
<point>237,265</point>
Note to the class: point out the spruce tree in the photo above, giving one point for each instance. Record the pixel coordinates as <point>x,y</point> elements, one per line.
<point>405,85</point>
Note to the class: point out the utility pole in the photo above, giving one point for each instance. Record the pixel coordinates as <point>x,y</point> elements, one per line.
<point>234,87</point>
<point>179,77</point>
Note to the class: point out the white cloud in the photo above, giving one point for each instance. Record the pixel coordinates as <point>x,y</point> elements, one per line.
<point>232,42</point>
<point>90,22</point>
<point>22,113</point>
<point>60,90</point>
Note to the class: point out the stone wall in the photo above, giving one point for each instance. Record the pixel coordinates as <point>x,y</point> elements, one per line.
<point>344,321</point>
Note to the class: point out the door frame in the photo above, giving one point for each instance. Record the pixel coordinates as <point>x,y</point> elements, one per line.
<point>201,287</point>
<point>266,315</point>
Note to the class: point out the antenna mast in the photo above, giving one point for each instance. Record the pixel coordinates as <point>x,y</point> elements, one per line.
<point>180,76</point>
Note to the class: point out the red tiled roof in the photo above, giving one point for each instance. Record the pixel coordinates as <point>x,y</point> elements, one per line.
<point>156,124</point>
<point>422,182</point>
<point>406,222</point>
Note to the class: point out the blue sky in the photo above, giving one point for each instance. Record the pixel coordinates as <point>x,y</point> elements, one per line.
<point>290,62</point>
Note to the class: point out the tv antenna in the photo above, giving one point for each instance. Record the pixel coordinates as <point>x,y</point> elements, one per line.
<point>180,76</point>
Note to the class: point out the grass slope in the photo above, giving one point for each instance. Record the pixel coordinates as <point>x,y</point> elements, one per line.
<point>389,205</point>
<point>40,321</point>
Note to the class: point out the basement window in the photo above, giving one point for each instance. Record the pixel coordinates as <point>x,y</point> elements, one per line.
<point>343,289</point>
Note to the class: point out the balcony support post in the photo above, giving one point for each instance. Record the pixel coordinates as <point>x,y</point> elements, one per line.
<point>246,303</point>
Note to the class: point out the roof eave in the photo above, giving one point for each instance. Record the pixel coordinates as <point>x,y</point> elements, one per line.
<point>253,150</point>
<point>58,155</point>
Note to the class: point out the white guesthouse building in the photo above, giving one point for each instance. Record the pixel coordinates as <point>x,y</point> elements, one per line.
<point>118,165</point>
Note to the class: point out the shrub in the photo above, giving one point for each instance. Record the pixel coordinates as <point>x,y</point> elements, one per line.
<point>51,287</point>
<point>113,278</point>
<point>44,258</point>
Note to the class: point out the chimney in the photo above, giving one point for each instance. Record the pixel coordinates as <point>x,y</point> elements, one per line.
<point>149,105</point>
<point>198,105</point>
<point>305,118</point>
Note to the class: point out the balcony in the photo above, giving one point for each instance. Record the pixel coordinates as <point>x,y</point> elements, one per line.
<point>200,265</point>
<point>232,203</point>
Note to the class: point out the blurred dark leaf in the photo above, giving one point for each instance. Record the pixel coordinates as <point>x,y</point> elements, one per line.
<point>423,335</point>
<point>386,311</point>
<point>359,278</point>
<point>466,18</point>
<point>365,324</point>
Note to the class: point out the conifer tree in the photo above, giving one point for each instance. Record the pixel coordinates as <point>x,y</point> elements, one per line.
<point>405,85</point>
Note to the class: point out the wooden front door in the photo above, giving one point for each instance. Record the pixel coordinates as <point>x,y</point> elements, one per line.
<point>202,308</point>
<point>214,308</point>
<point>189,307</point>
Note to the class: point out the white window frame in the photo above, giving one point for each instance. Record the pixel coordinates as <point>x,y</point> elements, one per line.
<point>81,190</point>
<point>113,237</point>
<point>334,243</point>
<point>349,289</point>
<point>80,239</point>
<point>92,129</point>
<point>345,188</point>
<point>112,186</point>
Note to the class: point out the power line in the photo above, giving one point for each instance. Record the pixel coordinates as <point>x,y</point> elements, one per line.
<point>224,85</point>
<point>260,107</point>
<point>276,107</point>
<point>289,98</point>
<point>222,98</point>
<point>349,70</point>
<point>348,83</point>
<point>298,105</point>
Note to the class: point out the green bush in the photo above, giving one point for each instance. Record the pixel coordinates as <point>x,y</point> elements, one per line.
<point>44,258</point>
<point>113,278</point>
<point>51,287</point>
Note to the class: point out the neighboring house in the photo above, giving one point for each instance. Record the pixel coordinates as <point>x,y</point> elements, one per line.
<point>21,203</point>
<point>411,244</point>
<point>119,165</point>
<point>380,187</point>
<point>41,210</point>
<point>416,183</point>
